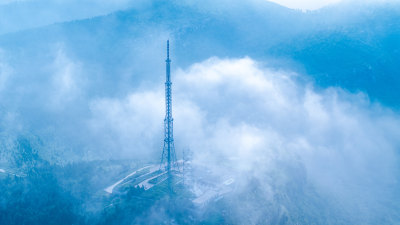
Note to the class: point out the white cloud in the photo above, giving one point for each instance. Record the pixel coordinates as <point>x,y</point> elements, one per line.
<point>66,80</point>
<point>255,119</point>
<point>129,127</point>
<point>5,71</point>
<point>245,121</point>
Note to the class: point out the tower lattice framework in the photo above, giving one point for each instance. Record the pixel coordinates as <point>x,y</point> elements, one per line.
<point>168,155</point>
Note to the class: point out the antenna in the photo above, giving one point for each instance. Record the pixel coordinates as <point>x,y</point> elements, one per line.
<point>169,147</point>
<point>167,49</point>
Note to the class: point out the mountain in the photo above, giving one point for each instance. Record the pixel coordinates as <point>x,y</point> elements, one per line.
<point>357,54</point>
<point>292,115</point>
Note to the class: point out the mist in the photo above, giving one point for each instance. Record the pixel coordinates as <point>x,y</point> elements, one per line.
<point>266,130</point>
<point>281,116</point>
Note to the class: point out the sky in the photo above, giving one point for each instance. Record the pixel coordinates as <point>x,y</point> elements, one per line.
<point>306,4</point>
<point>16,15</point>
<point>318,4</point>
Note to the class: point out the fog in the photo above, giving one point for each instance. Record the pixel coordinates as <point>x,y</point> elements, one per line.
<point>293,115</point>
<point>17,15</point>
<point>262,126</point>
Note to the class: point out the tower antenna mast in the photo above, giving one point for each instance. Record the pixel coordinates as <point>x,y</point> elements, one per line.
<point>168,155</point>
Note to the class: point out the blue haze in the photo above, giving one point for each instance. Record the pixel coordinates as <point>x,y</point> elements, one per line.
<point>80,93</point>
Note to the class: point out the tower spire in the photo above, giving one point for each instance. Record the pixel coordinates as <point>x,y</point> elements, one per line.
<point>168,155</point>
<point>167,49</point>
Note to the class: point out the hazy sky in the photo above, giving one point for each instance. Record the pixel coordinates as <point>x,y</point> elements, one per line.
<point>16,15</point>
<point>305,4</point>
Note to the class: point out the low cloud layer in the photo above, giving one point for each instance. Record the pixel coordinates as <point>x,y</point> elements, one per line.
<point>257,122</point>
<point>292,145</point>
<point>243,120</point>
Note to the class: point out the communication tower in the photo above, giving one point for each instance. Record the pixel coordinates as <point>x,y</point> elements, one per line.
<point>168,156</point>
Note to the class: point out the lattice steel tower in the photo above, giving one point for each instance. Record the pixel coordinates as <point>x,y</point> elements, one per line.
<point>168,154</point>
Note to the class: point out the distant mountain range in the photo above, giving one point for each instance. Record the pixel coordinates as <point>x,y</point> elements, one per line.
<point>355,47</point>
